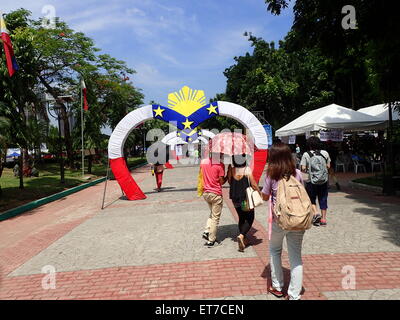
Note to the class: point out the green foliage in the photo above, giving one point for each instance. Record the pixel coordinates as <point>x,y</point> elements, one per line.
<point>281,83</point>
<point>368,55</point>
<point>54,60</point>
<point>53,140</point>
<point>320,62</point>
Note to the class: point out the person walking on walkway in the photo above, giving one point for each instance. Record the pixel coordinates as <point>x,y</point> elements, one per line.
<point>213,172</point>
<point>158,170</point>
<point>240,178</point>
<point>316,163</point>
<point>281,164</point>
<point>196,156</point>
<point>158,157</point>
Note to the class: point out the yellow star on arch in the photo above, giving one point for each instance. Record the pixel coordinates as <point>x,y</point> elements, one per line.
<point>187,124</point>
<point>159,112</point>
<point>212,109</point>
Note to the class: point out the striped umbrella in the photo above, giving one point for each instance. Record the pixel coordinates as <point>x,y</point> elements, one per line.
<point>230,143</point>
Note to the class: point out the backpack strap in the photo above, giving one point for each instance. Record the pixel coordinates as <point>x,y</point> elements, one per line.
<point>318,152</point>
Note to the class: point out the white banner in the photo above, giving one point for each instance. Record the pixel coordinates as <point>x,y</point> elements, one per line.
<point>333,135</point>
<point>292,139</point>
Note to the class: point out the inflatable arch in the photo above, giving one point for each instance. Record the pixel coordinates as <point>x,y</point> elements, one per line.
<point>173,138</point>
<point>149,112</point>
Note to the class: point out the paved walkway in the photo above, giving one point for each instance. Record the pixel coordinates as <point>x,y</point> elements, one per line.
<point>152,249</point>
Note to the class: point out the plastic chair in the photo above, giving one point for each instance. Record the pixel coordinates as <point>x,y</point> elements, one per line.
<point>358,165</point>
<point>338,164</point>
<point>374,163</point>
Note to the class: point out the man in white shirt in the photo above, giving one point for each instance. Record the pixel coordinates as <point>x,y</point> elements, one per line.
<point>317,178</point>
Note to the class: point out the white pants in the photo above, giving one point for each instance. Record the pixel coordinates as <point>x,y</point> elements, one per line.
<point>294,241</point>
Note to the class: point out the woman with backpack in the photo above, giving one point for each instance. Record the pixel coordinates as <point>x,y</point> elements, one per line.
<point>316,164</point>
<point>240,178</point>
<point>282,175</point>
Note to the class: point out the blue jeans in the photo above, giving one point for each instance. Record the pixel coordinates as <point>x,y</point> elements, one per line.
<point>294,240</point>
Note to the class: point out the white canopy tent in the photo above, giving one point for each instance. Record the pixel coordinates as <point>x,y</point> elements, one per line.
<point>330,117</point>
<point>381,112</point>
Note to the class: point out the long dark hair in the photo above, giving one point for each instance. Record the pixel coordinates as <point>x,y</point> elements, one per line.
<point>280,161</point>
<point>239,161</point>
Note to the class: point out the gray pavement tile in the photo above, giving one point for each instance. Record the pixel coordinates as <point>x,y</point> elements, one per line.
<point>167,227</point>
<point>137,239</point>
<point>380,294</point>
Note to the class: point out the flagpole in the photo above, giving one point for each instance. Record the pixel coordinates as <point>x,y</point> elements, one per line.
<point>83,156</point>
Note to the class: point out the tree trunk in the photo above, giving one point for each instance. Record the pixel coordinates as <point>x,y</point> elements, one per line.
<point>3,162</point>
<point>25,158</point>
<point>21,171</point>
<point>90,161</point>
<point>2,167</point>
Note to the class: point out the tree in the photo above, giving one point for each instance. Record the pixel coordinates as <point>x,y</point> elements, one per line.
<point>282,83</point>
<point>361,56</point>
<point>54,61</point>
<point>17,93</point>
<point>4,142</point>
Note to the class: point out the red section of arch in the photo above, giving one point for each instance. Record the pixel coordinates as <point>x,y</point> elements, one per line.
<point>125,180</point>
<point>260,159</point>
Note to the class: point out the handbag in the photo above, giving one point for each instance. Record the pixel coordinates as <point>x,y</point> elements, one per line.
<point>253,196</point>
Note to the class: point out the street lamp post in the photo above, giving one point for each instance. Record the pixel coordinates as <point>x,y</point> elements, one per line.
<point>58,112</point>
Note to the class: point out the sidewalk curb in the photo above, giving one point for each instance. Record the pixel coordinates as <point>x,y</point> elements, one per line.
<point>37,203</point>
<point>365,187</point>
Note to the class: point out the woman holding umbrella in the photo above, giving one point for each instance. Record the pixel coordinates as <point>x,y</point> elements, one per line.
<point>240,178</point>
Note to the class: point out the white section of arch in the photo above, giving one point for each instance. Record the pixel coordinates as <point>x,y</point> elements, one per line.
<point>206,133</point>
<point>140,115</point>
<point>201,139</point>
<point>124,128</point>
<point>247,119</point>
<point>172,138</point>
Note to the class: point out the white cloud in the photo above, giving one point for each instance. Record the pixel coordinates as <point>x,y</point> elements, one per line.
<point>148,75</point>
<point>223,46</point>
<point>135,12</point>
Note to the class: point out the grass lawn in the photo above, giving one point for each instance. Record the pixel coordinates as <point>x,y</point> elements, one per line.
<point>375,181</point>
<point>46,184</point>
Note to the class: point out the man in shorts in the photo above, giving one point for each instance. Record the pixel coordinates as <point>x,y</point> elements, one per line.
<point>315,191</point>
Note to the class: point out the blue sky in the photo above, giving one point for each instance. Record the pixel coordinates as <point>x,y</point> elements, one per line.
<point>170,43</point>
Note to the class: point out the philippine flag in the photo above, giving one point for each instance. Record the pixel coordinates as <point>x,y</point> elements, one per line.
<point>12,65</point>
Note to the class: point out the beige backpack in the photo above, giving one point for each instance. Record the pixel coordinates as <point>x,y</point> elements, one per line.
<point>293,206</point>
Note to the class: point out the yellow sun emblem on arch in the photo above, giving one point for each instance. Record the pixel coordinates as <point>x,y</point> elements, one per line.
<point>186,101</point>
